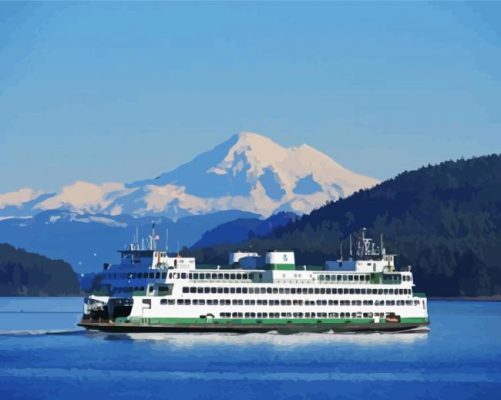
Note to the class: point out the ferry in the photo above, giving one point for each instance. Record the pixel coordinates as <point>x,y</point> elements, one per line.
<point>151,291</point>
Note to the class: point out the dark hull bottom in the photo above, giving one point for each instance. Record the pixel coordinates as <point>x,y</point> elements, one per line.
<point>255,328</point>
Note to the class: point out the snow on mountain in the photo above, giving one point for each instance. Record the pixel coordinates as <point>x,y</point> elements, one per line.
<point>248,172</point>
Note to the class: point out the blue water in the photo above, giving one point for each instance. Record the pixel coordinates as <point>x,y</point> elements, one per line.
<point>44,356</point>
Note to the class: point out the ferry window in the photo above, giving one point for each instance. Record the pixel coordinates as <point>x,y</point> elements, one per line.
<point>310,290</point>
<point>190,276</point>
<point>164,275</point>
<point>263,290</point>
<point>226,276</point>
<point>321,277</point>
<point>200,290</point>
<point>251,290</point>
<point>239,276</point>
<point>232,290</point>
<point>244,290</point>
<point>186,289</point>
<point>226,290</point>
<point>170,275</point>
<point>334,291</point>
<point>327,277</point>
<point>213,290</point>
<point>328,290</point>
<point>170,302</point>
<point>207,290</point>
<point>345,291</point>
<point>355,278</point>
<point>201,302</point>
<point>380,291</point>
<point>152,275</point>
<point>275,290</point>
<point>219,276</point>
<point>287,290</point>
<point>183,275</point>
<point>345,277</point>
<point>180,301</point>
<point>163,302</point>
<point>232,276</point>
<point>385,291</point>
<point>141,288</point>
<point>220,290</point>
<point>322,291</point>
<point>214,276</point>
<point>362,291</point>
<point>157,275</point>
<point>239,290</point>
<point>350,277</point>
<point>193,289</point>
<point>195,275</point>
<point>268,290</point>
<point>357,291</point>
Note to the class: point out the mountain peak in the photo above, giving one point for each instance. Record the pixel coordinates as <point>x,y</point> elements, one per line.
<point>248,172</point>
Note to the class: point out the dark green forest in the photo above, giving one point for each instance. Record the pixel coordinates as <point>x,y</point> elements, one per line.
<point>29,274</point>
<point>443,220</point>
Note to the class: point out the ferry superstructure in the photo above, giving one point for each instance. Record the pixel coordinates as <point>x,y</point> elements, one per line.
<point>151,291</point>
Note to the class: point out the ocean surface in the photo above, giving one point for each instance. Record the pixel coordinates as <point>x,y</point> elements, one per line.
<point>43,355</point>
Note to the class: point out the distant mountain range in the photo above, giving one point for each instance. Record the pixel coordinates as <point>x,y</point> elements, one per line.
<point>248,172</point>
<point>240,229</point>
<point>444,220</point>
<point>88,240</point>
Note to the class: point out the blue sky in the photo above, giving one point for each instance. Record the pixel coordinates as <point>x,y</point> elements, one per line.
<point>125,91</point>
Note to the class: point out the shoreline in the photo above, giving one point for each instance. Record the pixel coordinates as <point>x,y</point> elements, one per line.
<point>467,298</point>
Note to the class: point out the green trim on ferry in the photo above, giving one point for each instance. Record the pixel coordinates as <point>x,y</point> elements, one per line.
<point>255,321</point>
<point>281,267</point>
<point>421,295</point>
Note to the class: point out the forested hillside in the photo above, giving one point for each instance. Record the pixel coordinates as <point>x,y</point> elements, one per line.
<point>28,274</point>
<point>444,220</point>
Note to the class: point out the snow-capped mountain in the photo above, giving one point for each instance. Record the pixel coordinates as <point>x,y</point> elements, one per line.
<point>248,172</point>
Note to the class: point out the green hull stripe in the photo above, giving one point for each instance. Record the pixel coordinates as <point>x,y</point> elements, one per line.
<point>268,321</point>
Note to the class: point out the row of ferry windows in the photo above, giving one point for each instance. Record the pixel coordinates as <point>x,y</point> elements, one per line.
<point>275,290</point>
<point>138,275</point>
<point>243,276</point>
<point>249,302</point>
<point>362,278</point>
<point>302,315</point>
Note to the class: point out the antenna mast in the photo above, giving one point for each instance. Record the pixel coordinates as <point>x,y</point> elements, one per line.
<point>351,252</point>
